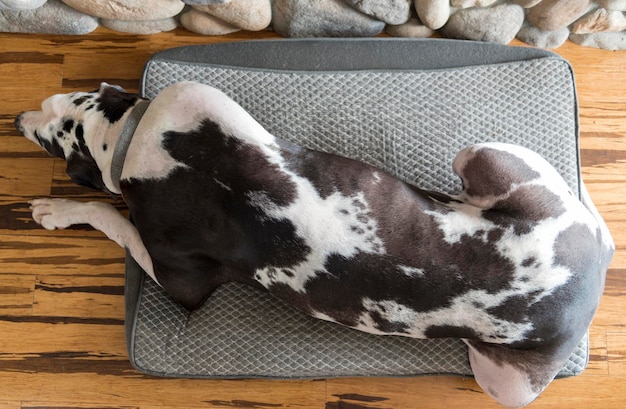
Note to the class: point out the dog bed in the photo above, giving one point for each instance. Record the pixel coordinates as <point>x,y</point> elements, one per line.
<point>406,106</point>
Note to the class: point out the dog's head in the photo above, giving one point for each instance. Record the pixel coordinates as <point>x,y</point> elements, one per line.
<point>67,123</point>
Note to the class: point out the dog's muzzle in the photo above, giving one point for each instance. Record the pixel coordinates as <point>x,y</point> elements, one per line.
<point>18,123</point>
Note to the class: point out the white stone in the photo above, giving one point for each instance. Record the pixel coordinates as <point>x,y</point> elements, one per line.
<point>205,2</point>
<point>543,39</point>
<point>600,20</point>
<point>619,5</point>
<point>251,15</point>
<point>21,4</point>
<point>463,4</point>
<point>608,41</point>
<point>412,28</point>
<point>53,17</point>
<point>497,24</point>
<point>550,15</point>
<point>433,13</point>
<point>527,3</point>
<point>322,18</point>
<point>128,9</point>
<point>390,11</point>
<point>205,24</point>
<point>140,26</point>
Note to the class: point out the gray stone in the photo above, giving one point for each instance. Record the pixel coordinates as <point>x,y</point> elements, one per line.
<point>251,15</point>
<point>497,24</point>
<point>128,9</point>
<point>21,4</point>
<point>550,15</point>
<point>201,23</point>
<point>139,26</point>
<point>619,5</point>
<point>412,28</point>
<point>204,2</point>
<point>322,18</point>
<point>390,11</point>
<point>608,41</point>
<point>527,3</point>
<point>433,13</point>
<point>600,20</point>
<point>463,4</point>
<point>53,17</point>
<point>543,39</point>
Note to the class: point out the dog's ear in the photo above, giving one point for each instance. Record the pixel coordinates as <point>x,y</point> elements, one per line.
<point>113,101</point>
<point>105,85</point>
<point>84,171</point>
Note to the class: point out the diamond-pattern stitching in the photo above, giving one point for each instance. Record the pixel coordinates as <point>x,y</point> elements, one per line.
<point>410,123</point>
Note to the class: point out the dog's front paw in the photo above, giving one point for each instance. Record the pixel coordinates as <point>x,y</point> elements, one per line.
<point>54,213</point>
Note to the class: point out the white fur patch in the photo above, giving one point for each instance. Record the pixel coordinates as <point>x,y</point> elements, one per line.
<point>335,225</point>
<point>468,310</point>
<point>463,220</point>
<point>181,108</point>
<point>411,271</point>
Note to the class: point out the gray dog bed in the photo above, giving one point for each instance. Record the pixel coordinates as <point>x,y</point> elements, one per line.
<point>405,106</point>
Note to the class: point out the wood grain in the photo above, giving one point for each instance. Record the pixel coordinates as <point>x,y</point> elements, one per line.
<point>61,293</point>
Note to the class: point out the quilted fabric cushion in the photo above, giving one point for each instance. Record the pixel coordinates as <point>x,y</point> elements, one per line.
<point>409,119</point>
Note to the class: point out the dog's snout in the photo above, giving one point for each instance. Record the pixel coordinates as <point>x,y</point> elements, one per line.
<point>18,123</point>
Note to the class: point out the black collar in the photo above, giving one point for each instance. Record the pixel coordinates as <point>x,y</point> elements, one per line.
<point>121,147</point>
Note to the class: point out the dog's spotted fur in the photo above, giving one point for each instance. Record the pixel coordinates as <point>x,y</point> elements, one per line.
<point>514,265</point>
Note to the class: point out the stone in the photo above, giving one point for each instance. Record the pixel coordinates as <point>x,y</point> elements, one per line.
<point>619,5</point>
<point>53,17</point>
<point>390,11</point>
<point>498,24</point>
<point>463,4</point>
<point>251,15</point>
<point>412,28</point>
<point>600,20</point>
<point>543,39</point>
<point>21,4</point>
<point>139,26</point>
<point>128,9</point>
<point>608,41</point>
<point>527,3</point>
<point>205,24</point>
<point>433,13</point>
<point>551,15</point>
<point>322,18</point>
<point>205,2</point>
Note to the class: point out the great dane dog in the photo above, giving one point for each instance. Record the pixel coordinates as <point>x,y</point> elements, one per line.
<point>514,264</point>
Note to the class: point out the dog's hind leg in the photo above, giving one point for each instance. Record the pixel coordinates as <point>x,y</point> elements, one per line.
<point>61,213</point>
<point>514,377</point>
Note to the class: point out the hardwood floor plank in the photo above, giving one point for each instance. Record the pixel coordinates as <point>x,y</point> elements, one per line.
<point>123,69</point>
<point>616,344</point>
<point>598,353</point>
<point>440,392</point>
<point>59,255</point>
<point>70,405</point>
<point>144,391</point>
<point>16,294</point>
<point>88,297</point>
<point>28,66</point>
<point>449,392</point>
<point>41,336</point>
<point>21,177</point>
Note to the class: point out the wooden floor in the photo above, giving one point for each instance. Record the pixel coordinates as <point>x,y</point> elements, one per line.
<point>61,293</point>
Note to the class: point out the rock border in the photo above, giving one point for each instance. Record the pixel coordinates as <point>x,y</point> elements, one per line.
<point>540,23</point>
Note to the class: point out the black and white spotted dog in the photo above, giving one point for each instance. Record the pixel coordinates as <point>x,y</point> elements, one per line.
<point>514,265</point>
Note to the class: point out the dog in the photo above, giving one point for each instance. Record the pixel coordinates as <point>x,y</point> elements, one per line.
<point>514,264</point>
